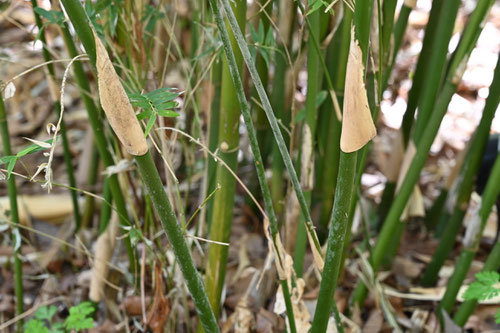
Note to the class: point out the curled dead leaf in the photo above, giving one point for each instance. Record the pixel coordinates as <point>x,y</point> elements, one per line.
<point>357,122</point>
<point>117,106</point>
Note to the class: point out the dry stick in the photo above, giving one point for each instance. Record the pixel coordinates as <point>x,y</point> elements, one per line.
<point>14,214</point>
<point>57,106</point>
<point>255,148</point>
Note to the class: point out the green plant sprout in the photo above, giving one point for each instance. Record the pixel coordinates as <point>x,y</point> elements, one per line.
<point>486,286</point>
<point>11,160</point>
<point>159,102</point>
<point>79,319</point>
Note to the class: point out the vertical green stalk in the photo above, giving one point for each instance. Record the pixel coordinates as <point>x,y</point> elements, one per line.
<point>471,244</point>
<point>454,76</point>
<point>78,17</point>
<point>154,185</point>
<point>307,155</point>
<point>470,167</point>
<point>213,135</point>
<point>421,71</point>
<point>260,119</point>
<point>399,30</point>
<point>280,105</point>
<point>240,39</point>
<point>259,165</point>
<point>14,217</point>
<point>349,167</point>
<point>339,222</point>
<point>68,160</point>
<point>228,142</point>
<point>489,197</point>
<point>492,264</point>
<point>337,54</point>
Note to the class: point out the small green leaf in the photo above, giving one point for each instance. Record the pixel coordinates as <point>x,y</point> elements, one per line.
<point>79,317</point>
<point>314,6</point>
<point>150,124</point>
<point>52,16</point>
<point>10,167</point>
<point>484,287</point>
<point>35,326</point>
<point>320,98</point>
<point>46,313</point>
<point>497,317</point>
<point>168,113</point>
<point>144,114</point>
<point>33,148</point>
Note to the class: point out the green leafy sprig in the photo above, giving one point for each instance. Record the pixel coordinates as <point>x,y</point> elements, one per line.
<point>159,102</point>
<point>486,286</point>
<point>11,160</point>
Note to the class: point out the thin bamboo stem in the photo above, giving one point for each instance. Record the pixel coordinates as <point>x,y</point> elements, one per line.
<point>14,217</point>
<point>78,17</point>
<point>153,183</point>
<point>228,144</point>
<point>68,160</point>
<point>234,71</point>
<point>272,120</point>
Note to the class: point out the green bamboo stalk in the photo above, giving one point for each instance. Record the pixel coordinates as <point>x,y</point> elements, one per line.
<point>470,167</point>
<point>436,66</point>
<point>465,310</point>
<point>471,246</point>
<point>234,71</point>
<point>337,55</point>
<point>422,65</point>
<point>153,183</point>
<point>228,142</point>
<point>213,137</point>
<point>272,119</point>
<point>399,30</point>
<point>435,212</point>
<point>78,17</point>
<point>308,137</point>
<point>14,217</point>
<point>339,221</point>
<point>89,205</point>
<point>260,119</point>
<point>349,169</point>
<point>68,160</point>
<point>388,10</point>
<point>280,105</point>
<point>454,75</point>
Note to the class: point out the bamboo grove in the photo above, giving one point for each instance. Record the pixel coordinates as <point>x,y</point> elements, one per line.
<point>235,134</point>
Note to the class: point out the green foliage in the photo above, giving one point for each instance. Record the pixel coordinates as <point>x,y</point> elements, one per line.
<point>80,317</point>
<point>264,43</point>
<point>43,322</point>
<point>314,5</point>
<point>159,102</point>
<point>51,17</point>
<point>485,287</point>
<point>11,160</point>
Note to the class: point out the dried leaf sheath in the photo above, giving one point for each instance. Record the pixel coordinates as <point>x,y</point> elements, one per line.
<point>117,106</point>
<point>357,123</point>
